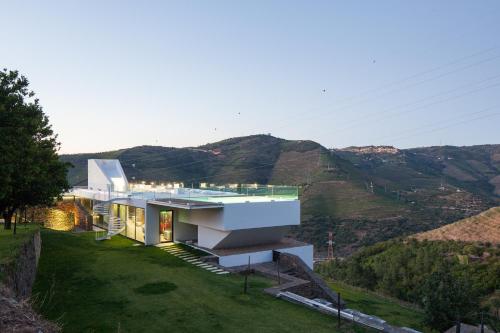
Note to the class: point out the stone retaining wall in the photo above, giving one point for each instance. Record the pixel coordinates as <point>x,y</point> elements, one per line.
<point>19,275</point>
<point>316,288</point>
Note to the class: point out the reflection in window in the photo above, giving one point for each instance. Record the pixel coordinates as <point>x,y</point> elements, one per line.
<point>139,224</point>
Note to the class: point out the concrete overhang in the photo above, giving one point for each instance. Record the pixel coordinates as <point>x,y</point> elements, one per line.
<point>185,204</point>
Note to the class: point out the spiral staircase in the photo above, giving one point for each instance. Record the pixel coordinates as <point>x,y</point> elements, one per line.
<point>115,224</point>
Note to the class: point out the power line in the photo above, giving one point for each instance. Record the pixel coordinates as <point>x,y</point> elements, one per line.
<point>370,99</point>
<point>378,119</point>
<point>449,126</point>
<point>405,132</point>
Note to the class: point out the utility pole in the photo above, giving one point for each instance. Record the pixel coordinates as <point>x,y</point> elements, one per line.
<point>330,245</point>
<point>482,322</point>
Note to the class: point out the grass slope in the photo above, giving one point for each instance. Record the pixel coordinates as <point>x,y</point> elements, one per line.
<point>484,227</point>
<point>112,286</point>
<point>389,309</point>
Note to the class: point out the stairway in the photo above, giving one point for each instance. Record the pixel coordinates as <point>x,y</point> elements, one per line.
<point>115,224</point>
<point>191,258</point>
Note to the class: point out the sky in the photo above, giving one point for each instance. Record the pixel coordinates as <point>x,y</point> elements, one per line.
<point>117,74</point>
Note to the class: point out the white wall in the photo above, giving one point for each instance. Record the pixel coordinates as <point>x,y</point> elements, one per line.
<point>247,215</point>
<point>106,175</point>
<point>152,226</point>
<point>96,179</point>
<point>209,238</point>
<point>242,259</point>
<point>305,253</point>
<point>260,214</point>
<point>211,218</point>
<point>250,237</point>
<point>184,231</point>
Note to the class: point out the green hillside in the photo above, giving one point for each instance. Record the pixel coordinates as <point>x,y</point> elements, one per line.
<point>445,278</point>
<point>364,197</point>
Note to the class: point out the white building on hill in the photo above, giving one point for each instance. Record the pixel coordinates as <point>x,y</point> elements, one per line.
<point>230,222</point>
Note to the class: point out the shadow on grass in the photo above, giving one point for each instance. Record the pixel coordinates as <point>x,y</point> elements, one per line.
<point>155,288</point>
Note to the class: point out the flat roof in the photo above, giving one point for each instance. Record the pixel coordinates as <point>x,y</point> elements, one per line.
<point>185,204</point>
<point>181,196</point>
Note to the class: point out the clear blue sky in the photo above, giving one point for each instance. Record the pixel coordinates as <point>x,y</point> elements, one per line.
<point>115,74</point>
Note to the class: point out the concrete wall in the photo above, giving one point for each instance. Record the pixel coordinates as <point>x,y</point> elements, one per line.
<point>211,218</point>
<point>303,252</point>
<point>96,179</point>
<point>184,231</point>
<point>209,238</point>
<point>260,214</point>
<point>106,175</point>
<point>248,215</point>
<point>242,259</point>
<point>152,226</point>
<point>249,237</point>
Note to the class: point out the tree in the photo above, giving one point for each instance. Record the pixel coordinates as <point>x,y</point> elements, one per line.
<point>447,298</point>
<point>30,170</point>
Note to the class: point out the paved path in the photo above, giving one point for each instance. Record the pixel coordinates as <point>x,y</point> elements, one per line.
<point>190,258</point>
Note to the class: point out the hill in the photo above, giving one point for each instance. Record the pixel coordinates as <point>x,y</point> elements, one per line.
<point>435,172</point>
<point>465,276</point>
<point>484,228</point>
<point>364,195</point>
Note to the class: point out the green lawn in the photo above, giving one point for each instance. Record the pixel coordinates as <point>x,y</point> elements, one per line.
<point>10,243</point>
<point>114,286</point>
<point>391,310</point>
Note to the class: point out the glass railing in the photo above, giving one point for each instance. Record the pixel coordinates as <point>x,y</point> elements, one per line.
<point>229,193</point>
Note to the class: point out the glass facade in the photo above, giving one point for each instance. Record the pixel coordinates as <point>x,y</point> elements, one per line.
<point>133,217</point>
<point>166,222</point>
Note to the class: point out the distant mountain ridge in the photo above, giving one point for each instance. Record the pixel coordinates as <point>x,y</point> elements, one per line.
<point>364,195</point>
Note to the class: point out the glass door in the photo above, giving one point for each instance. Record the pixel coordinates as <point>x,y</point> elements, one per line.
<point>166,222</point>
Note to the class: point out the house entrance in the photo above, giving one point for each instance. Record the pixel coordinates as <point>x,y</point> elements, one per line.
<point>166,226</point>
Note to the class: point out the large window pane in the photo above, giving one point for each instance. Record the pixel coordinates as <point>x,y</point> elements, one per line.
<point>131,222</point>
<point>123,216</point>
<point>139,224</point>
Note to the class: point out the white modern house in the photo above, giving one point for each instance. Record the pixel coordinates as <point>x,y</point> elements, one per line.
<point>230,222</point>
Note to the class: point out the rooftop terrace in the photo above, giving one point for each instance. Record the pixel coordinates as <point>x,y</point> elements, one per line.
<point>226,194</point>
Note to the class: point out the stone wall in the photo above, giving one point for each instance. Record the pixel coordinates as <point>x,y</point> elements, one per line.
<point>16,313</point>
<point>19,275</point>
<point>316,288</point>
<point>65,215</point>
